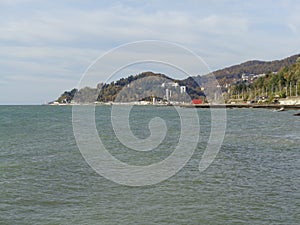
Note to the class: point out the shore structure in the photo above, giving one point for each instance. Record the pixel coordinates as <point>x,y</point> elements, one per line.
<point>255,106</point>
<point>190,105</point>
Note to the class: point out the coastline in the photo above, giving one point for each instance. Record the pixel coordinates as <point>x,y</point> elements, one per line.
<point>186,105</point>
<point>254,106</point>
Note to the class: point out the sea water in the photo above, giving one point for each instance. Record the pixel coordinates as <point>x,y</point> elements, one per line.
<point>44,179</point>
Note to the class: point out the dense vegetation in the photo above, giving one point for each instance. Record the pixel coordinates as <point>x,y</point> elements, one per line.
<point>230,74</point>
<point>281,84</point>
<point>67,96</point>
<point>281,80</point>
<point>109,92</point>
<point>143,86</point>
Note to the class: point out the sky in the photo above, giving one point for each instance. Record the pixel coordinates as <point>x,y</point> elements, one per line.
<point>47,45</point>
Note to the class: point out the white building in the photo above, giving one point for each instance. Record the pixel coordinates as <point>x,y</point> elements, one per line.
<point>175,84</point>
<point>182,89</point>
<point>168,94</point>
<point>289,101</point>
<point>154,100</point>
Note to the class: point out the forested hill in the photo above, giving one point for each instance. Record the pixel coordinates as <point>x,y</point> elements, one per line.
<point>134,88</point>
<point>228,74</point>
<point>284,83</point>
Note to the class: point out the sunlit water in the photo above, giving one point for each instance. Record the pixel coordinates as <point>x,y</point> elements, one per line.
<point>45,180</point>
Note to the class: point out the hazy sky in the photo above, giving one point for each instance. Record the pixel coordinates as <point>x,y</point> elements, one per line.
<point>45,46</point>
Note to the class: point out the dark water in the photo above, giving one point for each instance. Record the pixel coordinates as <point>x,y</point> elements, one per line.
<point>45,180</point>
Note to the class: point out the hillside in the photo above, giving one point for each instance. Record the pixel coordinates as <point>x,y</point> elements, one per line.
<point>146,85</point>
<point>284,83</point>
<point>231,74</point>
<point>133,89</point>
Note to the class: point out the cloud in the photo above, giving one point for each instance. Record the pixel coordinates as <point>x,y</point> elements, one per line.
<point>226,25</point>
<point>294,20</point>
<point>118,23</point>
<point>38,74</point>
<point>16,2</point>
<point>58,39</point>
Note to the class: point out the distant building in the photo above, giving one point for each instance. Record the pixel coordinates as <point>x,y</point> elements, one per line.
<point>196,101</point>
<point>289,101</point>
<point>245,77</point>
<point>168,94</point>
<point>170,84</point>
<point>182,89</point>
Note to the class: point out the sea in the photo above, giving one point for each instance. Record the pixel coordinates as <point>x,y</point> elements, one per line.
<point>254,178</point>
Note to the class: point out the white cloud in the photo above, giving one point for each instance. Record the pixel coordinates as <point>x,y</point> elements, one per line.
<point>226,25</point>
<point>294,20</point>
<point>16,2</point>
<point>60,55</point>
<point>117,23</point>
<point>44,39</point>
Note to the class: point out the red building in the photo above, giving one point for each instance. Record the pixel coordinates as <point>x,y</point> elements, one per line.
<point>196,101</point>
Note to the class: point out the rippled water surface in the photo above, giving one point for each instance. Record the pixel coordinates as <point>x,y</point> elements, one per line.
<point>45,180</point>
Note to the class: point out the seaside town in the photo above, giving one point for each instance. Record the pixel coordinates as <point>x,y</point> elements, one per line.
<point>275,89</point>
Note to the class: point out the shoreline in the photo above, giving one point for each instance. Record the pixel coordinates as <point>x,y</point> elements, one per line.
<point>254,106</point>
<point>229,106</point>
